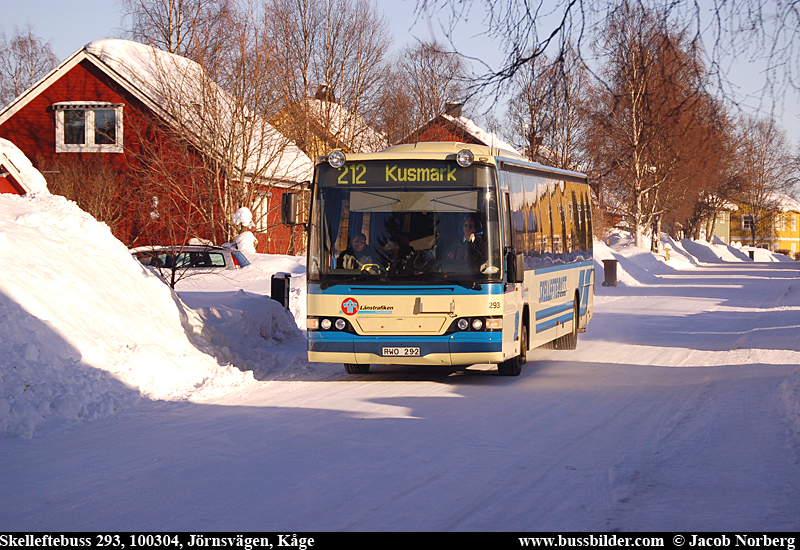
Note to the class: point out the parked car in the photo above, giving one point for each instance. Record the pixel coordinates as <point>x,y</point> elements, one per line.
<point>190,258</point>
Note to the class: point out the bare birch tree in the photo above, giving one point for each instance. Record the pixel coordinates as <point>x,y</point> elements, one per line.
<point>764,171</point>
<point>547,113</point>
<point>196,29</point>
<point>766,31</point>
<point>332,67</point>
<point>24,59</point>
<point>648,122</point>
<point>424,78</point>
<point>207,152</point>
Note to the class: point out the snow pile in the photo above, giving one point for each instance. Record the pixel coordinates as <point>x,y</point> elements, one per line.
<point>249,328</point>
<point>638,266</point>
<point>635,266</point>
<point>86,329</point>
<point>255,279</point>
<point>711,253</point>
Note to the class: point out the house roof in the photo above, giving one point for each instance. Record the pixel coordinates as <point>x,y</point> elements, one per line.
<point>179,91</point>
<point>786,203</point>
<point>346,127</point>
<point>14,164</point>
<point>466,126</point>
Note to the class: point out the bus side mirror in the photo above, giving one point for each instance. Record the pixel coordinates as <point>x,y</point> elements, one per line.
<point>289,208</point>
<point>515,266</point>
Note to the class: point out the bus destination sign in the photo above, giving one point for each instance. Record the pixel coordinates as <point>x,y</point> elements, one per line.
<point>396,173</point>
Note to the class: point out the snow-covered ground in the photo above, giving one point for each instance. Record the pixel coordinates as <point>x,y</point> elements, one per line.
<point>128,407</point>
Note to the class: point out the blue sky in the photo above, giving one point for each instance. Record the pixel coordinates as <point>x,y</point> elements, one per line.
<point>71,24</point>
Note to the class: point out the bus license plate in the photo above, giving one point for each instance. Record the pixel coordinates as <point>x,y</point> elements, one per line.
<point>400,352</point>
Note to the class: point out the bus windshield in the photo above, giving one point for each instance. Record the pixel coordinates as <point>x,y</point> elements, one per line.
<point>380,230</point>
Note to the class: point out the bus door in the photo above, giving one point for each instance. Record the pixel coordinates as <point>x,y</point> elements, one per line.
<point>512,293</point>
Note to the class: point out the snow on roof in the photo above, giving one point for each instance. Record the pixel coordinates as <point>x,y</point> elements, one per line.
<point>347,127</point>
<point>786,203</point>
<point>181,89</point>
<point>488,138</point>
<point>15,161</point>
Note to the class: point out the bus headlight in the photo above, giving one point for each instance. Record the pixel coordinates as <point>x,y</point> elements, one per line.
<point>463,324</point>
<point>477,324</point>
<point>326,324</point>
<point>340,324</point>
<point>336,159</point>
<point>464,158</point>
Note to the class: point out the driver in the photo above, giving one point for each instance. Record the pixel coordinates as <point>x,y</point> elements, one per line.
<point>472,247</point>
<point>356,255</point>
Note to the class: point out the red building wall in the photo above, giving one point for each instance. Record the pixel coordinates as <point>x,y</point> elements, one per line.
<point>33,130</point>
<point>441,130</point>
<point>9,185</point>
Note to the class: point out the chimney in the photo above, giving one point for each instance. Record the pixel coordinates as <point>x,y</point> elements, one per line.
<point>324,93</point>
<point>453,108</point>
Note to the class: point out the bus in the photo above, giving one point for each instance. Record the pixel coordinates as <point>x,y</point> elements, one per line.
<point>444,254</point>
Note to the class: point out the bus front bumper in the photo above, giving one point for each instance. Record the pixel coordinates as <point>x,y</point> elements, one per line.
<point>463,348</point>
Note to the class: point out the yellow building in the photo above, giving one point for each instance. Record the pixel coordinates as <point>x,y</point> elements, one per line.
<point>319,125</point>
<point>779,229</point>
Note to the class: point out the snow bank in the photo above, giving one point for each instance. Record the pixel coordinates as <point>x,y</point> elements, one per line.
<point>639,266</point>
<point>86,329</point>
<point>635,267</point>
<point>255,279</point>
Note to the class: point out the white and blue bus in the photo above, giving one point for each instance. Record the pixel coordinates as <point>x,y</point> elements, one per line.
<point>445,254</point>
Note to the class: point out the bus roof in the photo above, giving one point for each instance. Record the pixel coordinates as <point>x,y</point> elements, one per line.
<point>441,150</point>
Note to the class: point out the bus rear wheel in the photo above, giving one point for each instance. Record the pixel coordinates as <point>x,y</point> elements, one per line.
<point>513,366</point>
<point>353,368</point>
<point>569,341</point>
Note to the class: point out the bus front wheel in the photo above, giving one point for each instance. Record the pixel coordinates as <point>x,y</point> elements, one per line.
<point>513,366</point>
<point>353,368</point>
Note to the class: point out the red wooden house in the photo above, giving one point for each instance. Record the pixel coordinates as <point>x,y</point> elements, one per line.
<point>452,126</point>
<point>112,111</point>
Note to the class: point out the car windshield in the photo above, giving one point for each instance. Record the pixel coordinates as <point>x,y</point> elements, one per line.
<point>409,234</point>
<point>185,259</point>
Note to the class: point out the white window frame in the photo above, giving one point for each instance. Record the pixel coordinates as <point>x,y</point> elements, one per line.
<point>780,222</point>
<point>747,222</point>
<point>89,146</point>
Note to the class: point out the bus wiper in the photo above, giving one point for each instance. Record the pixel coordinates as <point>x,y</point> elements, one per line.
<point>455,280</point>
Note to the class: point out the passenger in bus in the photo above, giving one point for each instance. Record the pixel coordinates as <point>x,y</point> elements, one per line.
<point>357,255</point>
<point>472,246</point>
